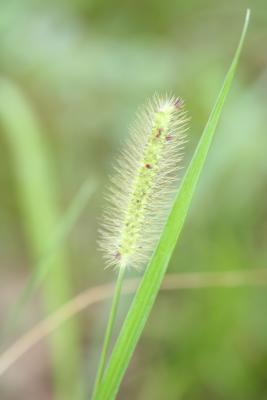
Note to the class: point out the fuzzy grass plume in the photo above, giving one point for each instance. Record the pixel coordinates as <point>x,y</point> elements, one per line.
<point>144,183</point>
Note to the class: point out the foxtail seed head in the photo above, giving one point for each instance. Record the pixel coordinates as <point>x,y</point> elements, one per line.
<point>144,183</point>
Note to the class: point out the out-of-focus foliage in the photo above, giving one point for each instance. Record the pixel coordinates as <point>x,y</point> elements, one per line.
<point>86,66</point>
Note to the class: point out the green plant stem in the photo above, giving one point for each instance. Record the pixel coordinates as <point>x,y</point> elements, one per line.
<point>110,324</point>
<point>43,266</point>
<point>37,197</point>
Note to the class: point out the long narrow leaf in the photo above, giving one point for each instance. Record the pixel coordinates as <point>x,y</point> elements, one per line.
<point>150,284</point>
<point>44,265</point>
<point>37,197</point>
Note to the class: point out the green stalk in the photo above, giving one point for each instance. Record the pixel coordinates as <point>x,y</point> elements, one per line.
<point>108,333</point>
<point>153,276</point>
<point>39,210</point>
<point>43,265</point>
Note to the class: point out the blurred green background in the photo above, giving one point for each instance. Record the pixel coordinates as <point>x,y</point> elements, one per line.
<point>73,74</point>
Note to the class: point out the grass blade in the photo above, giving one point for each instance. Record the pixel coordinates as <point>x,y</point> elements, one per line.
<point>37,197</point>
<point>44,265</point>
<point>150,284</point>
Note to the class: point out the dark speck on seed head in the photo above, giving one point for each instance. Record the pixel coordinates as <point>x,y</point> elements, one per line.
<point>178,103</point>
<point>159,132</point>
<point>117,255</point>
<point>148,166</point>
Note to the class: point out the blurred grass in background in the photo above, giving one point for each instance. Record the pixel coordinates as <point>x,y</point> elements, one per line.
<point>86,67</point>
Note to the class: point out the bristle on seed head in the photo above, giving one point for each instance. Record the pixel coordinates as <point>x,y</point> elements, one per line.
<point>144,183</point>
